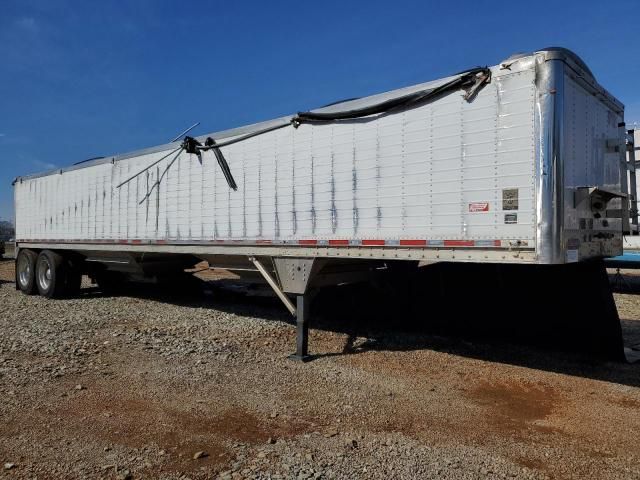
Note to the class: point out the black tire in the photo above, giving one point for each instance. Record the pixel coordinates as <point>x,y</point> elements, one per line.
<point>26,271</point>
<point>51,274</point>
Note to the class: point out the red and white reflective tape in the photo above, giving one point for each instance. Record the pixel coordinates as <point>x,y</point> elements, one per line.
<point>453,243</point>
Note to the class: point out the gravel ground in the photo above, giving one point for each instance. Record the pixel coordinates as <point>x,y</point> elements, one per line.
<point>149,387</point>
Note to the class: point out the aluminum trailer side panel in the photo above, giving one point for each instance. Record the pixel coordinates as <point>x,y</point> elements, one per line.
<point>447,174</point>
<point>434,172</point>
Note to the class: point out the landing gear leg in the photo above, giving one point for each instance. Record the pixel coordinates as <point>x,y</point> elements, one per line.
<point>302,328</point>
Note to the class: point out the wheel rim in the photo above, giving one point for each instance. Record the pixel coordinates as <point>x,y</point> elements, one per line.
<point>44,273</point>
<point>24,270</point>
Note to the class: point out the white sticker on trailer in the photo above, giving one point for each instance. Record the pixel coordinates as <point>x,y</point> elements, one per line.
<point>572,256</point>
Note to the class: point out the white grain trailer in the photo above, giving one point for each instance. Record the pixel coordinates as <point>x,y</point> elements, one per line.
<point>522,162</point>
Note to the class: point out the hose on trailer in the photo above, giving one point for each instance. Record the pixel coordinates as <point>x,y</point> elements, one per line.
<point>472,81</point>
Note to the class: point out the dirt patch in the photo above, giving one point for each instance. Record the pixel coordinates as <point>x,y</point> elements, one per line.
<point>7,271</point>
<point>178,430</point>
<point>532,463</point>
<point>515,403</point>
<point>627,402</point>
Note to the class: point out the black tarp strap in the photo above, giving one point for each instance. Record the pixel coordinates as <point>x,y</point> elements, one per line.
<point>224,166</point>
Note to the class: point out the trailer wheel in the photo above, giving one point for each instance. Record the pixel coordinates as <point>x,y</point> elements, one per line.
<point>50,274</point>
<point>26,271</point>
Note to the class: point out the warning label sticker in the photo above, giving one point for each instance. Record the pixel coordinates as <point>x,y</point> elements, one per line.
<point>510,199</point>
<point>510,218</point>
<point>479,207</point>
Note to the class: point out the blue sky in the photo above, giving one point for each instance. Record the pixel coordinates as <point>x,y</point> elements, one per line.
<point>82,79</point>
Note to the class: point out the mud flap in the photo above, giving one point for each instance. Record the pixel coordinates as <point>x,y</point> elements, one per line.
<point>565,307</point>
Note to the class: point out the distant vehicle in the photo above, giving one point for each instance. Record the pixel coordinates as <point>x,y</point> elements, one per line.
<point>522,162</point>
